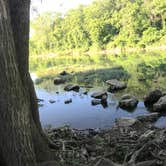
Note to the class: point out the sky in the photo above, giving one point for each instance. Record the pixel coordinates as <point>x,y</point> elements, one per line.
<point>56,5</point>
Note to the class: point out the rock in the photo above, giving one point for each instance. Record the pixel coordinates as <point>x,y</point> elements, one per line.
<point>132,144</point>
<point>149,117</point>
<point>152,97</point>
<point>104,98</point>
<point>52,101</point>
<point>68,101</point>
<point>59,80</point>
<point>71,87</point>
<point>85,93</point>
<point>63,73</point>
<point>40,100</point>
<point>105,162</point>
<point>160,105</point>
<point>125,122</point>
<point>104,101</point>
<point>99,95</point>
<point>128,101</point>
<point>115,85</point>
<point>95,102</point>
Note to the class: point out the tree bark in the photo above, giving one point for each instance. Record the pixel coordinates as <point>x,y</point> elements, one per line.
<point>20,13</point>
<point>22,141</point>
<point>16,146</point>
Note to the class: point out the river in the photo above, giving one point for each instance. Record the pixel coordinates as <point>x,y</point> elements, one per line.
<point>80,113</point>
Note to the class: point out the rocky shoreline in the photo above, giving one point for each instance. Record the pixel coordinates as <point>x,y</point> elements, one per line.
<point>130,142</point>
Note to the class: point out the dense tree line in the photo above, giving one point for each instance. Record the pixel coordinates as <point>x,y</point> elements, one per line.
<point>101,25</point>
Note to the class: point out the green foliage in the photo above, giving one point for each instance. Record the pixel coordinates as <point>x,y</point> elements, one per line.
<point>150,36</point>
<point>100,25</point>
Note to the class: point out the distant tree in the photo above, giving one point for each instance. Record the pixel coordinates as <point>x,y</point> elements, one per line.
<point>42,33</point>
<point>104,23</point>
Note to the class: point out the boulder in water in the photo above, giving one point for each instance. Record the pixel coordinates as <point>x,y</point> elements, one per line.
<point>99,95</point>
<point>59,80</point>
<point>52,101</point>
<point>128,101</point>
<point>152,97</point>
<point>71,87</point>
<point>68,101</point>
<point>95,102</point>
<point>160,105</point>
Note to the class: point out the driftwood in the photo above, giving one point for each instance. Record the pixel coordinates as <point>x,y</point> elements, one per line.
<point>135,143</point>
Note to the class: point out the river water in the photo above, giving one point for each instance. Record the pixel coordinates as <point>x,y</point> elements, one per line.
<point>80,113</point>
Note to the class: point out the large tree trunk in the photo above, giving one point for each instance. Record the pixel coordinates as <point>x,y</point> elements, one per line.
<point>22,141</point>
<point>16,146</point>
<point>20,13</point>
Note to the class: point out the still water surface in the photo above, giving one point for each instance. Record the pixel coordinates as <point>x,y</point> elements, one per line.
<point>80,113</point>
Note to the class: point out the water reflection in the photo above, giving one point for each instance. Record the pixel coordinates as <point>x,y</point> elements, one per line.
<point>80,113</point>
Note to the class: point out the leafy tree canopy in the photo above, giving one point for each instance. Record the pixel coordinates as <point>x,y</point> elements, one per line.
<point>102,24</point>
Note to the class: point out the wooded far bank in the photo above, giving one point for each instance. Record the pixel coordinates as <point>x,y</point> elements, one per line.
<point>104,24</point>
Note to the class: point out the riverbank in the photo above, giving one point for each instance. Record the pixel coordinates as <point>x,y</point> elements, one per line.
<point>124,50</point>
<point>130,142</point>
<point>115,50</point>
